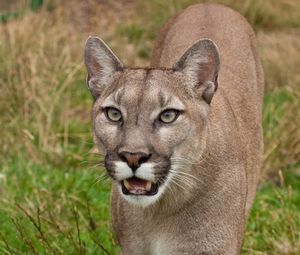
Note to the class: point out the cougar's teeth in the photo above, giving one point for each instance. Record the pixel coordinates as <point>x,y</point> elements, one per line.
<point>148,186</point>
<point>126,184</point>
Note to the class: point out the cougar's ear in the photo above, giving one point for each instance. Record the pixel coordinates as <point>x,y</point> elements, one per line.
<point>201,63</point>
<point>101,64</point>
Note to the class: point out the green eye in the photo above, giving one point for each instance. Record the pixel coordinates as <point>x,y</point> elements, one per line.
<point>113,114</point>
<point>168,116</point>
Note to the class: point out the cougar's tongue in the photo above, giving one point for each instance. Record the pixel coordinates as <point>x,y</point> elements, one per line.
<point>137,186</point>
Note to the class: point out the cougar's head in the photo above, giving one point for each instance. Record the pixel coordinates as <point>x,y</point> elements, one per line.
<point>150,123</point>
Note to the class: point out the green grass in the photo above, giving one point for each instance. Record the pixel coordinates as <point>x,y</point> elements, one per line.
<point>64,210</point>
<point>274,222</point>
<point>53,196</point>
<point>53,210</point>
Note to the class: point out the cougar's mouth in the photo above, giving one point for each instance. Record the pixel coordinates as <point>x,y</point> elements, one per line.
<point>138,187</point>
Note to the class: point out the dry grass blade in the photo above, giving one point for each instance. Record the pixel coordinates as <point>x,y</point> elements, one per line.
<point>9,250</point>
<point>38,226</point>
<point>24,239</point>
<point>102,248</point>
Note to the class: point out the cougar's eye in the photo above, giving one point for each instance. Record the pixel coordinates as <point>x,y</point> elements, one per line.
<point>113,114</point>
<point>168,116</point>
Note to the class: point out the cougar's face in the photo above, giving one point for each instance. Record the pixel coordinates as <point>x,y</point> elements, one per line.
<point>151,122</point>
<point>146,123</point>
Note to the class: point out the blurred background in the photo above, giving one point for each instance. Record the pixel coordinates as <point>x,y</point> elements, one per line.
<point>54,197</point>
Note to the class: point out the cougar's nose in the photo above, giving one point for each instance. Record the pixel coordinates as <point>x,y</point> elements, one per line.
<point>134,160</point>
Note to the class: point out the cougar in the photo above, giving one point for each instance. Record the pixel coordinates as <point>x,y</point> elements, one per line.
<point>182,140</point>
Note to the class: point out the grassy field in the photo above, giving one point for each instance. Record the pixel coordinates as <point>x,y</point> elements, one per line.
<point>54,198</point>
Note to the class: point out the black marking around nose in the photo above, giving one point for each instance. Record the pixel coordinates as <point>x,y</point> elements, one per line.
<point>134,160</point>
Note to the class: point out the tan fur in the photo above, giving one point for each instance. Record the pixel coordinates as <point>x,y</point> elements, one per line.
<point>217,147</point>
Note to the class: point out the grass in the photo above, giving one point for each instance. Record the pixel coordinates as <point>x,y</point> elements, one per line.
<point>53,210</point>
<point>274,223</point>
<point>52,196</point>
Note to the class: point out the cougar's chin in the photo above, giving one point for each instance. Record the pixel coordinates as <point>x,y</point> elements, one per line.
<point>138,187</point>
<point>139,192</point>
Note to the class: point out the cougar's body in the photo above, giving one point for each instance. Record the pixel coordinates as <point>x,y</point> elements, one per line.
<point>220,153</point>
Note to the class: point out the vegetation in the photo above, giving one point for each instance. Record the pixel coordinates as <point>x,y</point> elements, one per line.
<point>53,196</point>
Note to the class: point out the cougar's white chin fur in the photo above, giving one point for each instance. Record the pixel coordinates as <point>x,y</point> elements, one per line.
<point>144,201</point>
